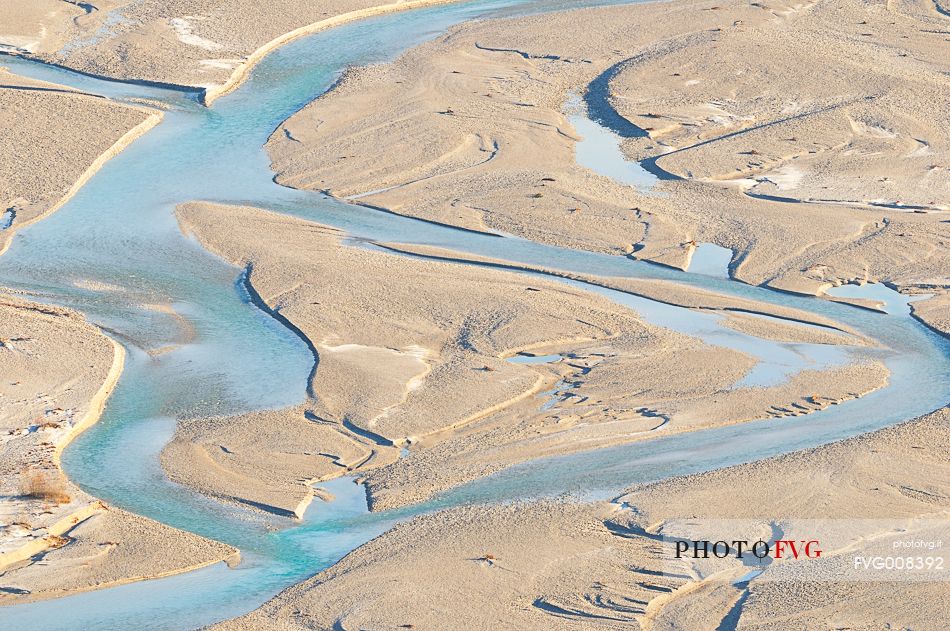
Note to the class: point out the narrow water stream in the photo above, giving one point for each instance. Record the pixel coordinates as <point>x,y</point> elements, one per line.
<point>197,345</point>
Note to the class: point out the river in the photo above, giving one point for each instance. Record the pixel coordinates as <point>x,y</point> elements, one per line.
<point>115,253</point>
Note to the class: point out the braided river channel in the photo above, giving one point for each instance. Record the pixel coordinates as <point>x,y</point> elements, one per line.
<point>114,251</point>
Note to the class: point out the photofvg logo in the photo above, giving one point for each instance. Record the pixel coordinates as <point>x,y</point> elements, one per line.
<point>741,549</point>
<point>812,550</point>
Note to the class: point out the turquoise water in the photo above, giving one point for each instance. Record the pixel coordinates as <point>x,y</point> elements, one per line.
<point>775,361</point>
<point>115,251</point>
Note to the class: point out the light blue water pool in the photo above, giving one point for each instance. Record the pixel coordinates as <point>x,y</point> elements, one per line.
<point>114,251</point>
<point>710,259</point>
<point>534,359</point>
<point>599,150</point>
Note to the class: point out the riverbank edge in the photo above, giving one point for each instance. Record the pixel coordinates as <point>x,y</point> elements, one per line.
<point>241,73</point>
<point>65,524</point>
<point>154,117</point>
<point>207,94</point>
<point>243,622</point>
<point>96,407</point>
<point>244,269</point>
<point>98,403</point>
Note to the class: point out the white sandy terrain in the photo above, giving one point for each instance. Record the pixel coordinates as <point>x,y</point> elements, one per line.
<point>810,183</point>
<point>783,323</point>
<point>195,43</point>
<point>36,26</point>
<point>267,460</point>
<point>493,150</point>
<point>415,353</point>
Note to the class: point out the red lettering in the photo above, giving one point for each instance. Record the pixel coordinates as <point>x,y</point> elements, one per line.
<point>782,543</point>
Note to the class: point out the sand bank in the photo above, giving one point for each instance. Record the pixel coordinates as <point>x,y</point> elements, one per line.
<point>557,565</point>
<point>394,360</point>
<point>54,538</point>
<point>810,184</point>
<point>40,26</point>
<point>266,460</point>
<point>871,132</point>
<point>413,349</point>
<point>609,400</point>
<point>242,71</point>
<point>415,352</point>
<point>210,44</point>
<point>59,139</point>
<point>934,313</point>
<point>784,323</point>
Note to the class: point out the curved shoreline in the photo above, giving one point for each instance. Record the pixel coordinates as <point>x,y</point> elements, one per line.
<point>241,73</point>
<point>233,559</point>
<point>194,225</point>
<point>98,402</point>
<point>177,87</point>
<point>96,406</point>
<point>60,529</point>
<point>153,119</point>
<point>256,299</point>
<point>593,281</point>
<point>208,94</point>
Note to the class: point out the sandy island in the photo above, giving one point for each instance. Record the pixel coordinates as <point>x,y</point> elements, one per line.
<point>415,353</point>
<point>58,370</point>
<point>809,183</point>
<point>202,44</point>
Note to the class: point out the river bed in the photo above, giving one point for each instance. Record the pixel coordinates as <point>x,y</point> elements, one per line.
<point>115,253</point>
